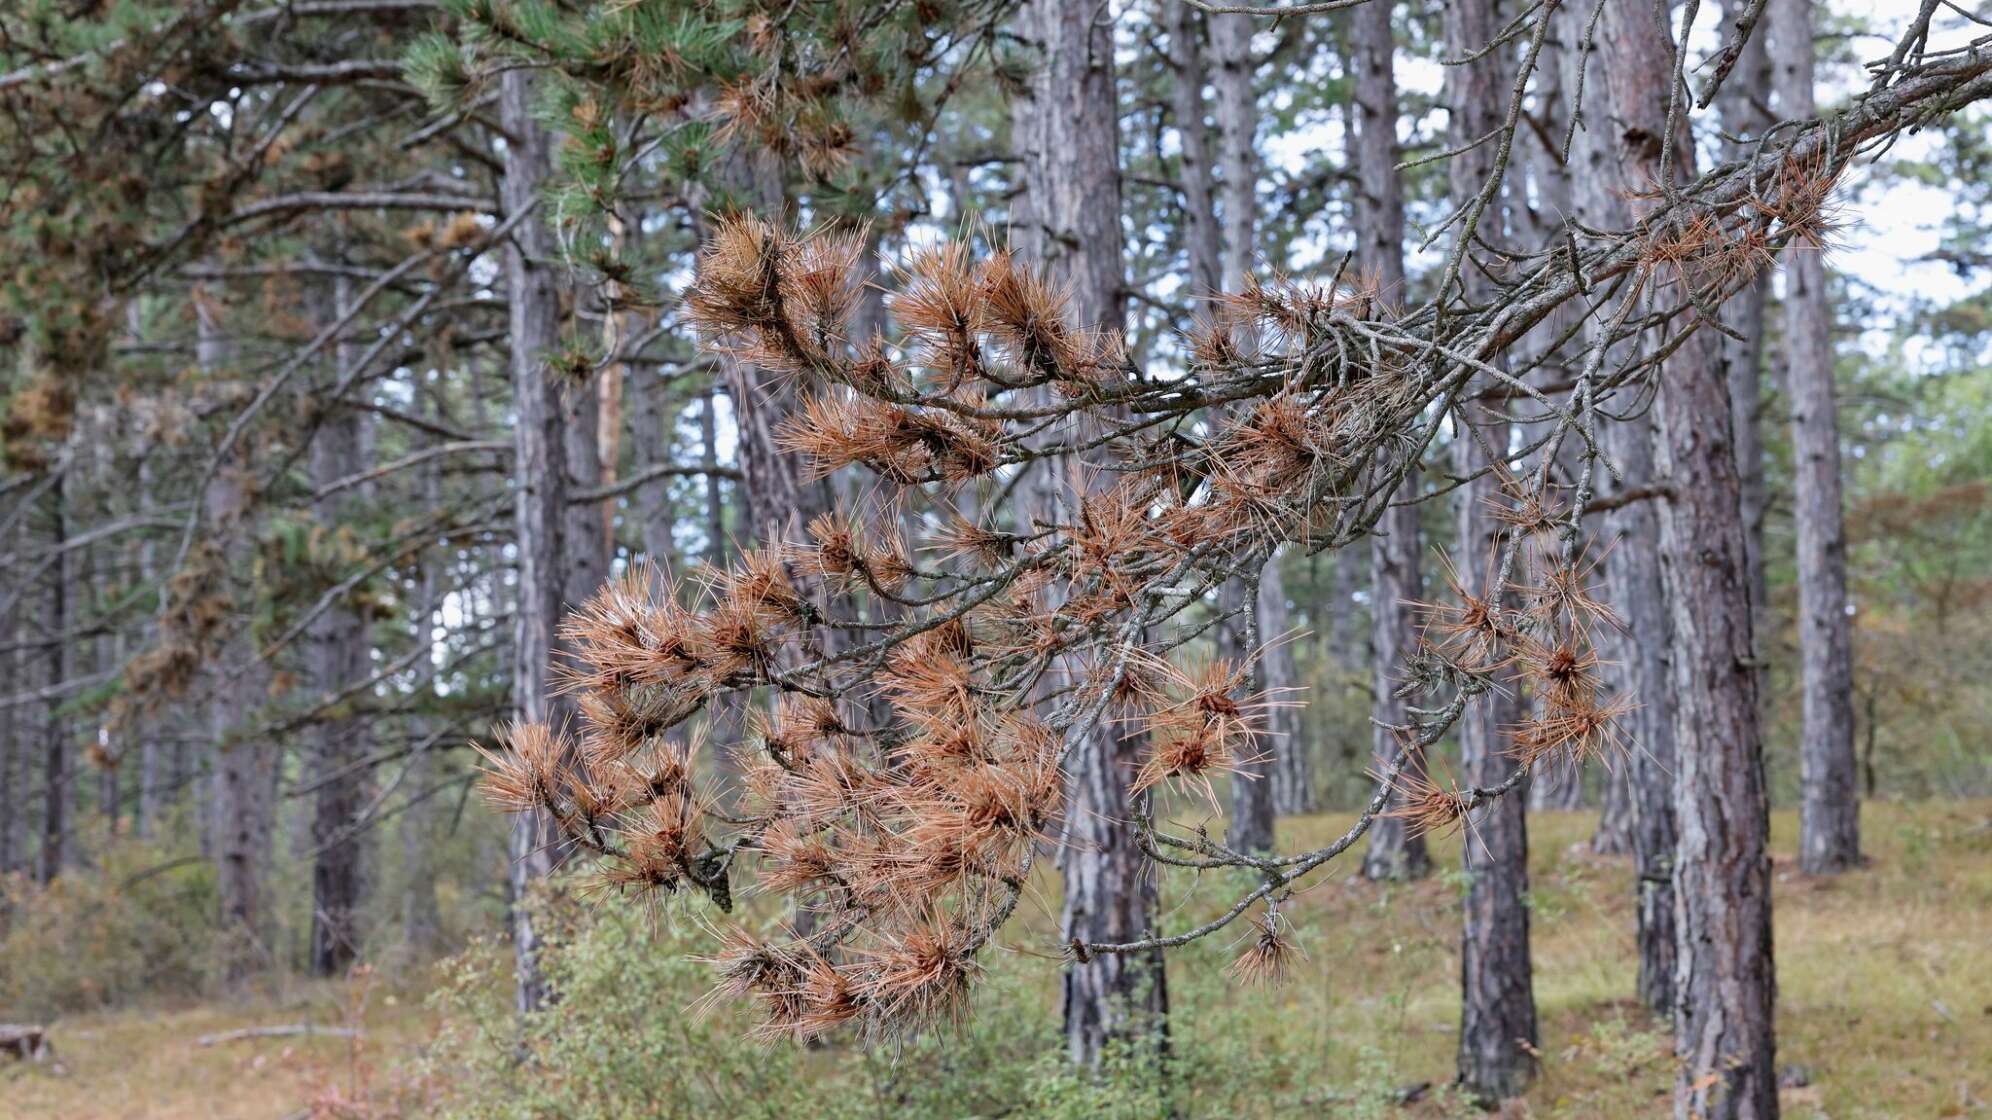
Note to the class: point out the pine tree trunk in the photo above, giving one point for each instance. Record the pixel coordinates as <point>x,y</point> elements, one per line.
<point>1066,128</point>
<point>1723,978</point>
<point>775,501</point>
<point>1251,824</point>
<point>1744,101</point>
<point>541,443</point>
<point>1633,584</point>
<point>1202,243</point>
<point>1829,831</point>
<point>1214,266</point>
<point>1725,987</point>
<point>55,725</point>
<point>421,916</point>
<point>92,652</point>
<point>338,658</point>
<point>1291,769</point>
<point>651,428</point>
<point>1541,203</point>
<point>1231,79</point>
<point>1639,814</point>
<point>1396,558</point>
<point>242,812</point>
<point>1282,779</point>
<point>715,501</point>
<point>13,821</point>
<point>153,788</point>
<point>1497,1031</point>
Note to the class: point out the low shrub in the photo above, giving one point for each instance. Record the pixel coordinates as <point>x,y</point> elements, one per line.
<point>141,921</point>
<point>622,1038</point>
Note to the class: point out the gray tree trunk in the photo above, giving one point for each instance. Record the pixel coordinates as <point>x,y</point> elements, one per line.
<point>1539,211</point>
<point>153,779</point>
<point>651,427</point>
<point>1231,81</point>
<point>1066,127</point>
<point>541,444</point>
<point>1292,764</point>
<point>1613,159</point>
<point>338,657</point>
<point>1829,822</point>
<point>1202,243</point>
<point>1744,101</point>
<point>242,810</point>
<point>244,813</point>
<point>55,661</point>
<point>774,498</point>
<point>1497,1031</point>
<point>1251,825</point>
<point>1634,586</point>
<point>1396,558</point>
<point>1287,774</point>
<point>1725,988</point>
<point>1724,985</point>
<point>12,823</point>
<point>421,915</point>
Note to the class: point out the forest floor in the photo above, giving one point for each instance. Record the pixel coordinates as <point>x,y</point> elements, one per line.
<point>1884,979</point>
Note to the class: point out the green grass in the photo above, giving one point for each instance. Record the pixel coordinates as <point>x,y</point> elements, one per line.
<point>1884,974</point>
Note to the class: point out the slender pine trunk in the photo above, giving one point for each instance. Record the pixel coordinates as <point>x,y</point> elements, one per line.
<point>540,449</point>
<point>1829,822</point>
<point>339,658</point>
<point>1396,557</point>
<point>1497,1032</point>
<point>1724,984</point>
<point>1744,101</point>
<point>1066,126</point>
<point>1640,809</point>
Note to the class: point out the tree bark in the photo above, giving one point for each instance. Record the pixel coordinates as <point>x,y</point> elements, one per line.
<point>651,425</point>
<point>1251,824</point>
<point>715,501</point>
<point>542,520</point>
<point>242,813</point>
<point>12,823</point>
<point>1633,584</point>
<point>1395,555</point>
<point>152,754</point>
<point>55,725</point>
<point>1497,1032</point>
<point>1541,203</point>
<point>1829,830</point>
<point>1744,101</point>
<point>421,916</point>
<point>1725,986</point>
<point>1286,773</point>
<point>1290,770</point>
<point>1237,124</point>
<point>1202,249</point>
<point>1613,164</point>
<point>339,656</point>
<point>1724,983</point>
<point>1066,128</point>
<point>774,498</point>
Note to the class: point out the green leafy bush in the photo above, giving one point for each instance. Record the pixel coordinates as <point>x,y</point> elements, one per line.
<point>621,1038</point>
<point>140,922</point>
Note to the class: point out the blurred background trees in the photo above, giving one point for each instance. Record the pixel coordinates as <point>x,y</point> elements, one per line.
<point>344,355</point>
